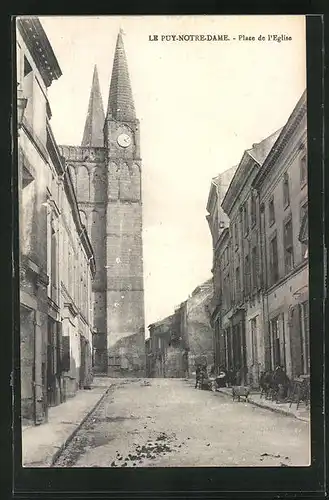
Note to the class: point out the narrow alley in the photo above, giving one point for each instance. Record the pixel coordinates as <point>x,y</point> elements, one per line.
<point>168,423</point>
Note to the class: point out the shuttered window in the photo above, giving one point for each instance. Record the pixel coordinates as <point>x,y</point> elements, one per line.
<point>66,361</point>
<point>304,309</point>
<point>247,274</point>
<point>288,246</point>
<point>254,264</point>
<point>271,212</point>
<point>253,209</point>
<point>303,170</point>
<point>274,263</point>
<point>286,193</point>
<point>296,341</point>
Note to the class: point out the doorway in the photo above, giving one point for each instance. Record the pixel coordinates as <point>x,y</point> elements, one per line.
<point>27,362</point>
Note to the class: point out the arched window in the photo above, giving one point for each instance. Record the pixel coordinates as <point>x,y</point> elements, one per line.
<point>125,182</point>
<point>113,181</point>
<point>83,218</point>
<point>97,235</point>
<point>83,191</point>
<point>135,183</point>
<point>97,185</point>
<point>73,177</point>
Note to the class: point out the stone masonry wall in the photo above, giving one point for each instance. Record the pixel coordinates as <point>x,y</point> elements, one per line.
<point>200,332</point>
<point>109,198</point>
<point>88,172</point>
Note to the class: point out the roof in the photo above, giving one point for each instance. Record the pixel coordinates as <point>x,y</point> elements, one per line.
<point>258,154</point>
<point>296,117</point>
<point>217,182</point>
<point>93,135</point>
<point>207,285</point>
<point>39,46</point>
<point>120,104</point>
<point>161,322</point>
<point>260,150</point>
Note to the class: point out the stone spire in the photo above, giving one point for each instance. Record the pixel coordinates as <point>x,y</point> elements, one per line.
<point>120,105</point>
<point>93,133</point>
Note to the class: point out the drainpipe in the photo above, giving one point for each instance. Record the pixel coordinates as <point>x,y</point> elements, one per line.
<point>34,390</point>
<point>264,267</point>
<point>242,326</point>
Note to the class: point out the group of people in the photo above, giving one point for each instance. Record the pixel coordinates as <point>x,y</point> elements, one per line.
<point>207,379</point>
<point>272,383</point>
<point>275,383</point>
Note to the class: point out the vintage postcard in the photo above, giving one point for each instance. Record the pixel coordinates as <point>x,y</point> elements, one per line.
<point>163,215</point>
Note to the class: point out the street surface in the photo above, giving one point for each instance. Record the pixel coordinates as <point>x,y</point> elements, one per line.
<point>168,423</point>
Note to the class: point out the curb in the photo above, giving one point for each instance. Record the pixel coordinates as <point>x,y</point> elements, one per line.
<point>275,410</point>
<point>278,410</point>
<point>71,436</point>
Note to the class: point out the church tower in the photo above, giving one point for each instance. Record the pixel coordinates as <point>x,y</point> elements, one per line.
<point>124,248</point>
<point>106,173</point>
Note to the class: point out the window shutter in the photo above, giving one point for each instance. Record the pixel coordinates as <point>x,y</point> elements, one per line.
<point>59,354</point>
<point>295,340</point>
<point>66,354</point>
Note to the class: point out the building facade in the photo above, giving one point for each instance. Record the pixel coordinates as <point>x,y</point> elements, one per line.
<point>106,172</point>
<point>166,347</point>
<point>282,190</point>
<point>245,314</point>
<point>217,219</point>
<point>218,222</point>
<point>56,258</point>
<point>198,331</point>
<point>260,303</point>
<point>179,342</point>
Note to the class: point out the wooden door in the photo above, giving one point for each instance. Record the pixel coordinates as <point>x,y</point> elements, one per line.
<point>296,341</point>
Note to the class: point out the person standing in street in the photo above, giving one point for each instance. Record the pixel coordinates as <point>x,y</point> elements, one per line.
<point>197,375</point>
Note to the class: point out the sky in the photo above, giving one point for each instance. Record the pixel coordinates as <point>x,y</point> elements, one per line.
<point>200,105</point>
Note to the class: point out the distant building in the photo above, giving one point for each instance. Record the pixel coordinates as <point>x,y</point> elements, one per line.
<point>56,258</point>
<point>217,219</point>
<point>166,347</point>
<point>160,335</point>
<point>218,222</point>
<point>148,357</point>
<point>198,330</point>
<point>180,341</point>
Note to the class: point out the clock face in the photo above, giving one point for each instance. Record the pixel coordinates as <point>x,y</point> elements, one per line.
<point>124,140</point>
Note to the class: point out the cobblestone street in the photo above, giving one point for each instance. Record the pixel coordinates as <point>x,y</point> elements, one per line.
<point>168,423</point>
